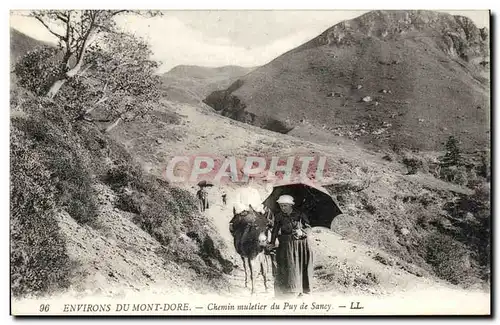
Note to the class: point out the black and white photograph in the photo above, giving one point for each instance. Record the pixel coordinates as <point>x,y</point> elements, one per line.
<point>250,162</point>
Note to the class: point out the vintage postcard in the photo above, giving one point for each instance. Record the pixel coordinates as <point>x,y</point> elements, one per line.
<point>225,162</point>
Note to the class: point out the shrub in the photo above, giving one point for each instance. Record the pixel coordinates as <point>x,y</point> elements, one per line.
<point>35,69</point>
<point>413,164</point>
<point>461,178</point>
<point>62,157</point>
<point>449,258</point>
<point>454,174</point>
<point>129,202</point>
<point>38,259</point>
<point>125,175</point>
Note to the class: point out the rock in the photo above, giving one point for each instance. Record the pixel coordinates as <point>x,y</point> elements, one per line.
<point>359,87</point>
<point>159,141</point>
<point>383,259</point>
<point>367,99</point>
<point>420,120</point>
<point>334,94</point>
<point>387,157</point>
<point>405,231</point>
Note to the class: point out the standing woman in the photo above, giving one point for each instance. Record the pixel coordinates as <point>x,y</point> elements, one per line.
<point>294,257</point>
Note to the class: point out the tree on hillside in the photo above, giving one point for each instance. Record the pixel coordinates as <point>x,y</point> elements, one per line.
<point>452,167</point>
<point>76,30</point>
<point>120,84</point>
<point>117,83</point>
<point>453,155</point>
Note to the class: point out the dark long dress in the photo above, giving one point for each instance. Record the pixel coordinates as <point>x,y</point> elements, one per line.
<point>294,257</point>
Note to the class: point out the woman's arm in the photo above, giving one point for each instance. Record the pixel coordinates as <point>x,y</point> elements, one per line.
<point>276,229</point>
<point>305,220</point>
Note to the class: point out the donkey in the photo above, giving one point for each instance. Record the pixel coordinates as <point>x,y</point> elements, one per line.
<point>249,230</point>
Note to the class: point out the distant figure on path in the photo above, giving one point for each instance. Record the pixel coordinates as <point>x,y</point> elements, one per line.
<point>224,198</point>
<point>202,196</point>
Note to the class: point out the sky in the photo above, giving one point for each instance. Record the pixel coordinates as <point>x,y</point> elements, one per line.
<point>217,38</point>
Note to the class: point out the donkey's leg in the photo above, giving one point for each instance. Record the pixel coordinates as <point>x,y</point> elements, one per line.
<point>263,269</point>
<point>251,273</point>
<point>245,268</point>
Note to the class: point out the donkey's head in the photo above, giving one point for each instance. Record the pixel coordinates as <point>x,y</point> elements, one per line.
<point>257,222</point>
<point>261,225</point>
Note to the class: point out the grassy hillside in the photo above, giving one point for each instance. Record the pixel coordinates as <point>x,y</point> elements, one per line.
<point>387,78</point>
<point>64,171</point>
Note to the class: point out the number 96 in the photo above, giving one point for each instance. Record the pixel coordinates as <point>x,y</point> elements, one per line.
<point>44,308</point>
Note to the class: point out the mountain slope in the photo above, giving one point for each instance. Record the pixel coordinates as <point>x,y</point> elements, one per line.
<point>21,43</point>
<point>190,83</point>
<point>386,78</point>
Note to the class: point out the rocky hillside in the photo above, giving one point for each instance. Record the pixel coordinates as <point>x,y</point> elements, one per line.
<point>390,78</point>
<point>190,83</point>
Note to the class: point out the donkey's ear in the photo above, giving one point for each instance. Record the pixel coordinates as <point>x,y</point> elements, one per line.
<point>251,208</point>
<point>234,210</point>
